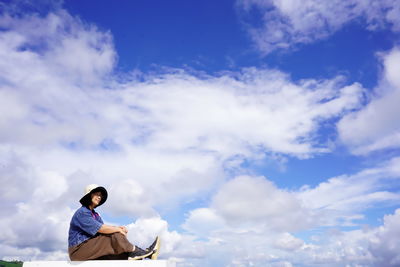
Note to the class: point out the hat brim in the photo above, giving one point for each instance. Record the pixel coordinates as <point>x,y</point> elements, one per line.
<point>86,200</point>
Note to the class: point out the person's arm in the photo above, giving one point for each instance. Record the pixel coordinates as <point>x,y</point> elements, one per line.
<point>109,229</point>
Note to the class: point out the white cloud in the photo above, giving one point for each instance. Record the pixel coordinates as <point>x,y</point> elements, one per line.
<point>52,186</point>
<point>364,247</point>
<point>203,221</point>
<point>173,245</point>
<point>285,23</point>
<point>177,111</point>
<point>33,215</point>
<point>385,244</point>
<point>281,111</point>
<point>288,242</point>
<point>256,200</point>
<point>367,247</point>
<point>252,221</point>
<point>35,40</point>
<point>342,199</point>
<point>256,203</point>
<point>376,126</point>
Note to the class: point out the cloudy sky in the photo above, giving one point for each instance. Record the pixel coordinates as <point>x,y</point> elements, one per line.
<point>244,133</point>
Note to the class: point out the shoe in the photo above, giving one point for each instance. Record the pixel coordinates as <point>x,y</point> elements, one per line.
<point>139,254</point>
<point>154,248</point>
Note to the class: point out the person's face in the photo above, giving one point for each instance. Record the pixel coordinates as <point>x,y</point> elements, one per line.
<point>96,198</point>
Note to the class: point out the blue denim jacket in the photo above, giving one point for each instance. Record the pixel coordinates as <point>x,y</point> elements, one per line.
<point>84,225</point>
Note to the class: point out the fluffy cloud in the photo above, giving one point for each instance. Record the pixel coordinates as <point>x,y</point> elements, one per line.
<point>175,111</point>
<point>285,114</point>
<point>33,217</point>
<point>256,200</point>
<point>384,245</point>
<point>256,204</point>
<point>267,222</point>
<point>288,242</point>
<point>340,200</point>
<point>203,221</point>
<point>367,247</point>
<point>173,245</point>
<point>285,23</point>
<point>376,126</point>
<point>332,247</point>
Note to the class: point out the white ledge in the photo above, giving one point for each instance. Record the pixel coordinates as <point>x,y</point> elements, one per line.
<point>104,263</point>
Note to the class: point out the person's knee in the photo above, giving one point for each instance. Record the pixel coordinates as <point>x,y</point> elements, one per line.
<point>119,235</point>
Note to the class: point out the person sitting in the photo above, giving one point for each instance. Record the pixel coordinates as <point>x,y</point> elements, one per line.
<point>89,238</point>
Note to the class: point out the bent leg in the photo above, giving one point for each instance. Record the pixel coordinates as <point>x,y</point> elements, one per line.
<point>100,246</point>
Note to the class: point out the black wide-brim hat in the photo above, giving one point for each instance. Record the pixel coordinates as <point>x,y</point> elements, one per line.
<point>93,188</point>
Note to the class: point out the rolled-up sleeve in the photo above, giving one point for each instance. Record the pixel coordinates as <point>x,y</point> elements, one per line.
<point>86,222</point>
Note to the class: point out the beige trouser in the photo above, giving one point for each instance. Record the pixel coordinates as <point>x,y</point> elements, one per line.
<point>112,246</point>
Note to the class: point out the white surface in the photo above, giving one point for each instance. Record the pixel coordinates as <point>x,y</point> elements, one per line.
<point>105,263</point>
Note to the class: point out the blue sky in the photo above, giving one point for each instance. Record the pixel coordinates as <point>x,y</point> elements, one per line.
<point>264,131</point>
<point>171,34</point>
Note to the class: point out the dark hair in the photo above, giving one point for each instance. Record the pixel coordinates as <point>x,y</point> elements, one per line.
<point>87,200</point>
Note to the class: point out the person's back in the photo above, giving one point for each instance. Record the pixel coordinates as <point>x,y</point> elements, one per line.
<point>81,228</point>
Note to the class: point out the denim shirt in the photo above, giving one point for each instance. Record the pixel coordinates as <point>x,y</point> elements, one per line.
<point>84,225</point>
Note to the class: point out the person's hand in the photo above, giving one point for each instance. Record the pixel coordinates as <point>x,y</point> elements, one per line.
<point>124,229</point>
